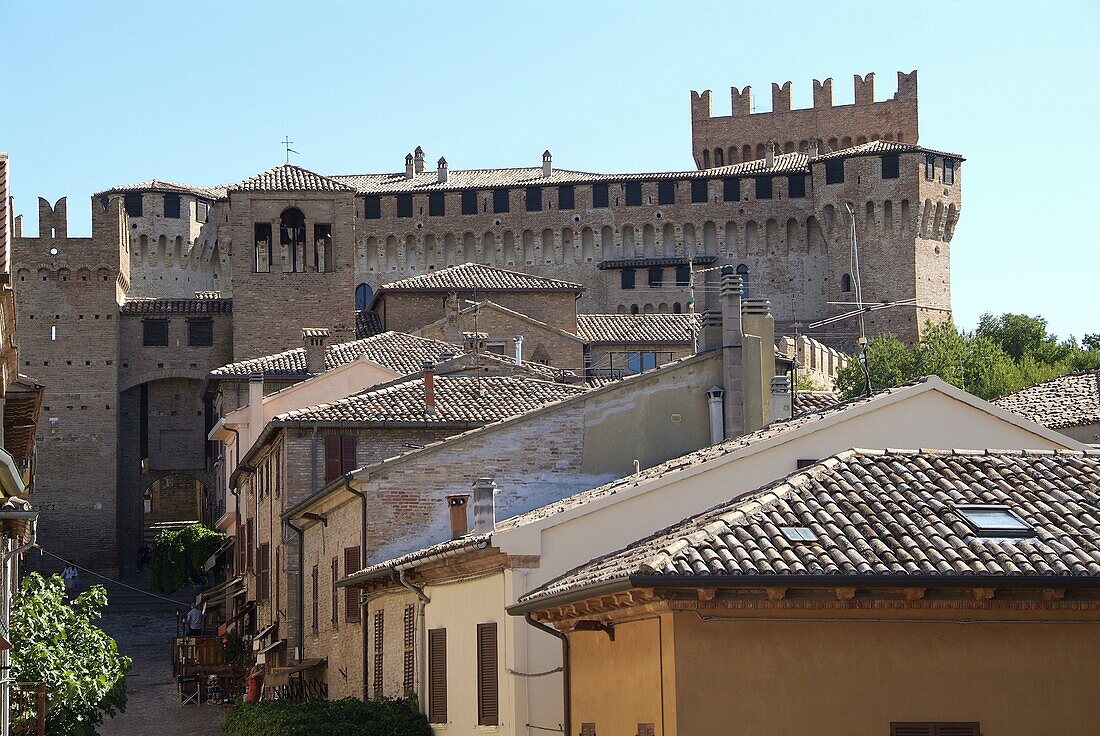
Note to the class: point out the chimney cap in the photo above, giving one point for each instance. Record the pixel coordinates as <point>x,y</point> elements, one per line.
<point>418,151</point>
<point>408,158</point>
<point>546,154</point>
<point>485,483</point>
<point>458,499</point>
<point>442,161</point>
<point>716,392</point>
<point>428,365</point>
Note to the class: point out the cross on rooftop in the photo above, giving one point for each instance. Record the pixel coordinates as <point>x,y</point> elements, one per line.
<point>287,143</point>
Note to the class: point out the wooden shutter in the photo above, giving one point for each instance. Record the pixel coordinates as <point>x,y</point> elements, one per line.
<point>958,729</point>
<point>487,694</point>
<point>347,453</point>
<point>316,623</point>
<point>437,676</point>
<point>933,728</point>
<point>352,613</point>
<point>408,683</point>
<point>335,600</point>
<point>263,572</point>
<point>379,648</point>
<point>332,457</point>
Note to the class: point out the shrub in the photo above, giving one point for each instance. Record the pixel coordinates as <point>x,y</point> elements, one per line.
<point>348,717</point>
<point>179,557</point>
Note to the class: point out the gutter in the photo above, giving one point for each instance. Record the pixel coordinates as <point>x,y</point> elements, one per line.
<point>380,571</point>
<point>567,710</point>
<point>11,481</point>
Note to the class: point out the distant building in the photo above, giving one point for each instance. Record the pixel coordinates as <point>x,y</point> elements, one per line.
<point>1069,404</point>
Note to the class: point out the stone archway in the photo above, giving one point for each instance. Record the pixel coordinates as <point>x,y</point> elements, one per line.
<point>172,500</point>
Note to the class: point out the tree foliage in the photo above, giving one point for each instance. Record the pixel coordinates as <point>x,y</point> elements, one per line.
<point>1005,354</point>
<point>56,642</point>
<point>179,557</point>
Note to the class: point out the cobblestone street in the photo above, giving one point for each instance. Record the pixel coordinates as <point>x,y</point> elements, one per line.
<point>154,706</point>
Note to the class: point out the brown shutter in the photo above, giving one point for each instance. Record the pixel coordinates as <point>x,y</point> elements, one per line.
<point>347,454</point>
<point>335,600</point>
<point>352,613</point>
<point>912,729</point>
<point>332,457</point>
<point>408,684</point>
<point>958,729</point>
<point>487,700</point>
<point>263,572</point>
<point>437,676</point>
<point>379,647</point>
<point>250,542</point>
<point>316,623</point>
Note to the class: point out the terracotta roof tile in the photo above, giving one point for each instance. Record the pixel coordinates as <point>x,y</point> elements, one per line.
<point>1071,400</point>
<point>177,306</point>
<point>637,328</point>
<point>471,276</point>
<point>807,401</point>
<point>169,187</point>
<point>289,178</point>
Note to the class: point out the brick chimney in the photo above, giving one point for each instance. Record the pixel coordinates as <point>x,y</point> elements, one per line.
<point>316,343</point>
<point>410,167</point>
<point>485,515</point>
<point>429,388</point>
<point>457,505</point>
<point>441,170</point>
<point>547,163</point>
<point>418,160</point>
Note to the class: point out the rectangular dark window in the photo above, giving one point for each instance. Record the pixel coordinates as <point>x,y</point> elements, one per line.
<point>891,166</point>
<point>500,200</point>
<point>633,191</point>
<point>132,202</point>
<point>437,204</point>
<point>437,676</point>
<point>805,462</point>
<point>339,456</point>
<point>796,186</point>
<point>469,202</point>
<point>404,205</point>
<point>250,539</point>
<point>534,199</point>
<point>600,196</point>
<point>731,190</point>
<point>626,278</point>
<point>315,601</point>
<point>699,190</point>
<point>263,572</point>
<point>172,206</point>
<point>656,273</point>
<point>834,172</point>
<point>202,211</point>
<point>683,275</point>
<point>352,614</point>
<point>488,710</point>
<point>666,192</point>
<point>154,333</point>
<point>929,167</point>
<point>200,332</point>
<point>948,171</point>
<point>763,187</point>
<point>566,197</point>
<point>379,647</point>
<point>373,208</point>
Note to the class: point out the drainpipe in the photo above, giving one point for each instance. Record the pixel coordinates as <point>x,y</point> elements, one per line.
<point>5,619</point>
<point>421,640</point>
<point>301,637</point>
<point>567,712</point>
<point>362,559</point>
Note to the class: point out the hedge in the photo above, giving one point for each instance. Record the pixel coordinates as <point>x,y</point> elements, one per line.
<point>348,717</point>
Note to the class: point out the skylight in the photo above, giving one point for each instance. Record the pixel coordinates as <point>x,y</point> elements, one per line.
<point>994,521</point>
<point>798,533</point>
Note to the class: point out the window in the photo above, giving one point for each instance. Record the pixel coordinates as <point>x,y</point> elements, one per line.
<point>656,273</point>
<point>263,572</point>
<point>437,676</point>
<point>636,362</point>
<point>408,677</point>
<point>261,237</point>
<point>743,272</point>
<point>200,332</point>
<point>437,204</point>
<point>469,202</point>
<point>335,600</point>
<point>566,197</point>
<point>352,614</point>
<point>588,729</point>
<point>373,208</point>
<point>846,283</point>
<point>363,296</point>
<point>805,462</point>
<point>994,521</point>
<point>202,211</point>
<point>339,456</point>
<point>500,200</point>
<point>316,607</point>
<point>731,190</point>
<point>534,199</point>
<point>132,203</point>
<point>796,186</point>
<point>646,729</point>
<point>935,729</point>
<point>948,171</point>
<point>633,193</point>
<point>763,187</point>
<point>404,205</point>
<point>379,631</point>
<point>798,533</point>
<point>172,206</point>
<point>666,192</point>
<point>154,333</point>
<point>929,167</point>
<point>250,538</point>
<point>487,700</point>
<point>891,166</point>
<point>599,195</point>
<point>626,278</point>
<point>683,275</point>
<point>699,190</point>
<point>834,172</point>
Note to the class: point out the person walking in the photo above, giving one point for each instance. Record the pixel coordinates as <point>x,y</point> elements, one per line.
<point>194,621</point>
<point>69,575</point>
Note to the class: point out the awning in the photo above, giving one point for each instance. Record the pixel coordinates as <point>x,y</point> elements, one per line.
<point>273,645</point>
<point>223,629</point>
<point>217,594</point>
<point>305,664</point>
<point>265,631</point>
<point>212,560</point>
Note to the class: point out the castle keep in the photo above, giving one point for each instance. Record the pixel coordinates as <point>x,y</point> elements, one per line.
<point>177,280</point>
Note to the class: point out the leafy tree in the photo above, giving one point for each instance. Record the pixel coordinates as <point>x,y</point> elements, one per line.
<point>56,642</point>
<point>1020,335</point>
<point>1091,341</point>
<point>889,361</point>
<point>178,557</point>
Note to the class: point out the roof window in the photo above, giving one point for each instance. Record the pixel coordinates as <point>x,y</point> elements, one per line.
<point>988,520</point>
<point>798,533</point>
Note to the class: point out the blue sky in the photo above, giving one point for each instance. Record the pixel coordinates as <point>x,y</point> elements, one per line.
<point>98,94</point>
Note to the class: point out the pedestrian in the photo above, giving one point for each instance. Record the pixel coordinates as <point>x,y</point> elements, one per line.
<point>194,621</point>
<point>69,575</point>
<point>143,557</point>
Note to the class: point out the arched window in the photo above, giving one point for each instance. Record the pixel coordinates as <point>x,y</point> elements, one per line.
<point>743,272</point>
<point>292,235</point>
<point>633,308</point>
<point>719,158</point>
<point>846,283</point>
<point>676,308</point>
<point>706,158</point>
<point>363,295</point>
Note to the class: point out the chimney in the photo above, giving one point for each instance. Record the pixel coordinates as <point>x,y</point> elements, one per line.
<point>441,170</point>
<point>452,314</point>
<point>409,166</point>
<point>781,398</point>
<point>769,154</point>
<point>519,349</point>
<point>316,341</point>
<point>418,160</point>
<point>757,362</point>
<point>731,355</point>
<point>547,165</point>
<point>429,388</point>
<point>717,423</point>
<point>457,505</point>
<point>485,515</point>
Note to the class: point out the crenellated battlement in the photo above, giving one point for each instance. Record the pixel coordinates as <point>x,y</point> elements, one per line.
<point>863,91</point>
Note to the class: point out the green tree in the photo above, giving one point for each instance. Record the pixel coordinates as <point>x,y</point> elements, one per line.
<point>56,642</point>
<point>890,362</point>
<point>179,557</point>
<point>1020,335</point>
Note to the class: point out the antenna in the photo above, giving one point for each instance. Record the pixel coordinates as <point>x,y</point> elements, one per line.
<point>862,341</point>
<point>691,306</point>
<point>287,143</point>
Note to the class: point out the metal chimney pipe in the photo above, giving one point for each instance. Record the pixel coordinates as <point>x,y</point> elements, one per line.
<point>485,515</point>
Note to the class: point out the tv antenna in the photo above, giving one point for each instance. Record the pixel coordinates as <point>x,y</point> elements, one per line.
<point>287,143</point>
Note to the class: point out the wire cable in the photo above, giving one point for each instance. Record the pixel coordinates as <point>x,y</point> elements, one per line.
<point>43,550</point>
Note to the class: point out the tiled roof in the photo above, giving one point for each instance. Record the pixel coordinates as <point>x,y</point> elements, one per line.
<point>888,513</point>
<point>177,306</point>
<point>465,543</point>
<point>1071,400</point>
<point>471,276</point>
<point>872,148</point>
<point>398,351</point>
<point>639,328</point>
<point>460,179</point>
<point>806,401</point>
<point>289,178</point>
<point>458,399</point>
<point>170,187</point>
